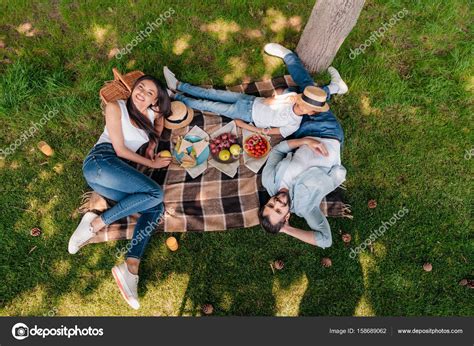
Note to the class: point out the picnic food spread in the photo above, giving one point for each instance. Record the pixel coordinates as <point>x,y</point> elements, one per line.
<point>256,146</point>
<point>225,147</point>
<point>188,151</point>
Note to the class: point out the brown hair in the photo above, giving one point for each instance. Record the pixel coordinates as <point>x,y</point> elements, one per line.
<point>163,102</point>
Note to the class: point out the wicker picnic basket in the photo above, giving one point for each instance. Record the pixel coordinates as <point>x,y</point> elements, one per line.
<point>120,87</point>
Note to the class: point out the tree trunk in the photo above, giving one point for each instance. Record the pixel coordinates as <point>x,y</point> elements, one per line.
<point>327,28</point>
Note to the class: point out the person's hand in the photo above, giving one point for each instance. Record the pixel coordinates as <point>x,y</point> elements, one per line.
<point>150,150</point>
<point>316,146</point>
<point>160,162</point>
<point>239,123</point>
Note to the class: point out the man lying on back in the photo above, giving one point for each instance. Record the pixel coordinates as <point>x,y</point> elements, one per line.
<point>300,172</point>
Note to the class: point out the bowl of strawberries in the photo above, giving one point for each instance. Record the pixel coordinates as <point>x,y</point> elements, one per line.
<point>256,146</point>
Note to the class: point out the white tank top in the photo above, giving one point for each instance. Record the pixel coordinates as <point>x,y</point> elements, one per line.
<point>133,137</point>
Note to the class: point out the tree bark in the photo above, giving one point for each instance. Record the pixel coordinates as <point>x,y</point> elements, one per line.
<point>327,28</point>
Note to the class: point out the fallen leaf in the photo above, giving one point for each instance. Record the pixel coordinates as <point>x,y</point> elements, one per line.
<point>58,168</point>
<point>24,28</point>
<point>326,262</point>
<point>35,232</point>
<point>278,264</point>
<point>207,309</point>
<point>113,52</point>
<point>346,238</point>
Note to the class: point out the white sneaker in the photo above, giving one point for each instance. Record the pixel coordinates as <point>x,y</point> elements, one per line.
<point>82,234</point>
<point>337,85</point>
<point>127,284</point>
<point>170,77</point>
<point>276,49</point>
<point>171,93</point>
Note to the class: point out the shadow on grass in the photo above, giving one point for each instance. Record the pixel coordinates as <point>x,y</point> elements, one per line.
<point>230,270</point>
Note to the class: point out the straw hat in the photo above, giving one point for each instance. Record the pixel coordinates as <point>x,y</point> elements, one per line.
<point>181,116</point>
<point>314,98</point>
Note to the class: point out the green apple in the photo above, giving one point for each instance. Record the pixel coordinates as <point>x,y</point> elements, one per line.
<point>224,155</point>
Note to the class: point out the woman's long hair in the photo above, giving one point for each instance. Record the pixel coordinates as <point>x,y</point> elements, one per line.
<point>163,103</point>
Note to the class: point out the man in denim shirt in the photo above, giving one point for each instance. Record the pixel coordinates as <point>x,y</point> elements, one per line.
<point>299,181</point>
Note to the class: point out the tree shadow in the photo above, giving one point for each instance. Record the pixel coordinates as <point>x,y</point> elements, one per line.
<point>247,285</point>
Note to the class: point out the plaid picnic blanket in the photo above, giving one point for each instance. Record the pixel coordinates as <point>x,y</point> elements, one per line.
<point>212,201</point>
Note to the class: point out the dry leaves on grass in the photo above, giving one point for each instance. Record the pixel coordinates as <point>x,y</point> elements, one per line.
<point>346,238</point>
<point>427,267</point>
<point>372,204</point>
<point>35,232</point>
<point>278,264</point>
<point>27,29</point>
<point>207,309</point>
<point>112,53</point>
<point>326,262</point>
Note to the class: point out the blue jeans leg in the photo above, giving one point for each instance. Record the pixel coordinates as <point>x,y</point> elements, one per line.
<point>241,109</point>
<point>109,193</point>
<point>322,124</point>
<point>134,192</point>
<point>142,192</point>
<point>144,229</point>
<point>213,94</point>
<point>297,71</point>
<point>328,93</point>
<point>300,75</point>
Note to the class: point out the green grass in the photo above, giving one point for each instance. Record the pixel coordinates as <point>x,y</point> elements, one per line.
<point>407,120</point>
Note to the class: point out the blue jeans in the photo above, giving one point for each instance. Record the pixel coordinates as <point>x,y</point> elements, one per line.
<point>231,104</point>
<point>322,124</point>
<point>133,191</point>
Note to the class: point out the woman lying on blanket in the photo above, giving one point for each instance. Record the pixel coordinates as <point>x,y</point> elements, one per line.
<point>129,125</point>
<point>278,115</point>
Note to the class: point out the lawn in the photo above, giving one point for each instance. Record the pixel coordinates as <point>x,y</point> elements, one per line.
<point>408,127</point>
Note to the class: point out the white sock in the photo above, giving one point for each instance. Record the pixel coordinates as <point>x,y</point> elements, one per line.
<point>333,88</point>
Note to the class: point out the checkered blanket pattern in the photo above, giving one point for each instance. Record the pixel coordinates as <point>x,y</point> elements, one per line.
<point>212,201</point>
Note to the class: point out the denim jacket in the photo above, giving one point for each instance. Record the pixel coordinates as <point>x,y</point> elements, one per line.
<point>306,192</point>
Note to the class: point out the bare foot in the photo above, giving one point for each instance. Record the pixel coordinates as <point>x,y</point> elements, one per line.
<point>133,264</point>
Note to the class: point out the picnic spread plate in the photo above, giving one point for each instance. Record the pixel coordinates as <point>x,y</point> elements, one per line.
<point>232,158</point>
<point>193,139</point>
<point>226,143</point>
<point>256,141</point>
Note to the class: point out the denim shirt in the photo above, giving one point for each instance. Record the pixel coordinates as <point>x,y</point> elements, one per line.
<point>306,192</point>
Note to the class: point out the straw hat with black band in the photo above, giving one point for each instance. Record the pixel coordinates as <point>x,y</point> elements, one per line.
<point>181,116</point>
<point>315,98</point>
